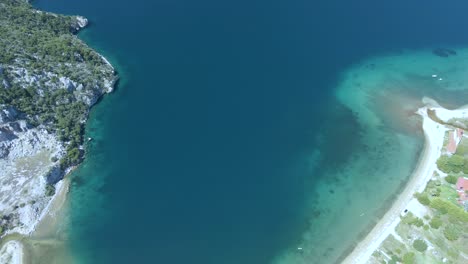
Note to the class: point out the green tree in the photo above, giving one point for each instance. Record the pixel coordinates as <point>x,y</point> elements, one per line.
<point>454,163</point>
<point>452,179</point>
<point>420,245</point>
<point>442,163</point>
<point>423,198</point>
<point>435,222</point>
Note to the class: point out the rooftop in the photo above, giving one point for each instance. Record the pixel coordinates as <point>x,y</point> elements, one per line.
<point>462,184</point>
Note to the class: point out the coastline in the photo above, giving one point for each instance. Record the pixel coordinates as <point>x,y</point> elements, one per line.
<point>433,142</point>
<point>51,213</point>
<point>20,246</point>
<point>46,229</point>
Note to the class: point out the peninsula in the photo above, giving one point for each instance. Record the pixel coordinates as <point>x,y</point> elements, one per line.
<point>49,79</point>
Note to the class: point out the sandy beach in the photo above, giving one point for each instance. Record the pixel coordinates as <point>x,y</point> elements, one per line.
<point>20,248</point>
<point>434,136</point>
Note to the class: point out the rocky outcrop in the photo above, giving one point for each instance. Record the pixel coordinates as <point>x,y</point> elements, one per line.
<point>59,79</point>
<point>28,164</point>
<point>82,22</point>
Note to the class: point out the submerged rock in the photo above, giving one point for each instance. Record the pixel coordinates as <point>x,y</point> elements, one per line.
<point>441,52</point>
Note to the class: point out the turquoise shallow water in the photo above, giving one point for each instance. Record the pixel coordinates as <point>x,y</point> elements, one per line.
<point>243,130</point>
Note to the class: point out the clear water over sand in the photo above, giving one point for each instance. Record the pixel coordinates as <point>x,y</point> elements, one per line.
<point>382,93</point>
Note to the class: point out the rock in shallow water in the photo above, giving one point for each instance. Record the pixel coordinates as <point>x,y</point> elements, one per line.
<point>441,52</point>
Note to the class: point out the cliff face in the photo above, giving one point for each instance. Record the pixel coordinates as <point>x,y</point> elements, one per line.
<point>49,79</point>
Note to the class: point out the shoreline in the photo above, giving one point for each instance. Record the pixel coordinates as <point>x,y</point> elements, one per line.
<point>50,213</point>
<point>45,226</point>
<point>433,142</point>
<point>45,230</point>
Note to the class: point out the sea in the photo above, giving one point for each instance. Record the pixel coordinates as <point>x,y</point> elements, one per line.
<point>251,132</point>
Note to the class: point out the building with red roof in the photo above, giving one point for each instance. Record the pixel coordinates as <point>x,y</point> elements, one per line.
<point>462,189</point>
<point>454,139</point>
<point>462,184</point>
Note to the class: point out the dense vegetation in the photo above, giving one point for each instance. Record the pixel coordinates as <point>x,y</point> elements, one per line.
<point>454,163</point>
<point>39,51</point>
<point>455,213</point>
<point>39,36</point>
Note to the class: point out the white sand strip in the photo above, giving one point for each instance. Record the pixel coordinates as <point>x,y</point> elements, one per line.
<point>434,136</point>
<point>11,253</point>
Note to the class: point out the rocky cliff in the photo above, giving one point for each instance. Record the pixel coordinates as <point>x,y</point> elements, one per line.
<point>49,79</point>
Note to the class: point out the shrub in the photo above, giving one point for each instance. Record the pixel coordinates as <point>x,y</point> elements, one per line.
<point>452,179</point>
<point>408,258</point>
<point>418,222</point>
<point>50,190</point>
<point>410,219</point>
<point>423,199</point>
<point>451,233</point>
<point>420,245</point>
<point>436,222</point>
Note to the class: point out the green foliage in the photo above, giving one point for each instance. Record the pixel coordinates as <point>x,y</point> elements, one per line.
<point>454,163</point>
<point>72,157</point>
<point>64,118</point>
<point>50,190</point>
<point>410,219</point>
<point>44,35</point>
<point>455,213</point>
<point>435,222</point>
<point>422,198</point>
<point>442,163</point>
<point>394,260</point>
<point>420,245</point>
<point>440,206</point>
<point>43,45</point>
<point>451,233</point>
<point>409,258</point>
<point>418,222</point>
<point>452,179</point>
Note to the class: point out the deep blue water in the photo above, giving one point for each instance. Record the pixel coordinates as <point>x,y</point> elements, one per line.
<point>198,156</point>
